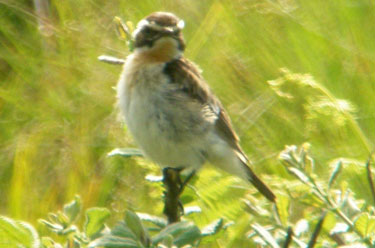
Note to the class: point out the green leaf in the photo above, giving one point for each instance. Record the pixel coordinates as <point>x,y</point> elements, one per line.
<point>336,171</point>
<point>95,219</point>
<point>160,222</point>
<point>191,210</point>
<point>17,234</point>
<point>365,224</point>
<point>70,229</point>
<point>53,227</point>
<point>265,235</point>
<point>183,232</point>
<point>213,228</point>
<point>299,174</point>
<point>186,198</point>
<point>110,241</point>
<point>62,219</point>
<point>329,222</point>
<point>123,231</point>
<point>135,224</point>
<point>190,236</point>
<point>125,152</point>
<point>282,204</point>
<point>168,241</point>
<point>47,242</point>
<point>72,209</point>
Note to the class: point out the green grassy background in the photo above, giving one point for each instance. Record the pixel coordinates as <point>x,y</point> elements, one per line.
<point>58,121</point>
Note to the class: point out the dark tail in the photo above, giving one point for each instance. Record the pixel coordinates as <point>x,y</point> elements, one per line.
<point>261,187</point>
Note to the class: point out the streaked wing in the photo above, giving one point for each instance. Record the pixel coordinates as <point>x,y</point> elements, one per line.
<point>188,77</point>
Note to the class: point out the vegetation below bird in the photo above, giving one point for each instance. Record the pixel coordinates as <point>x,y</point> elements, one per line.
<point>287,72</point>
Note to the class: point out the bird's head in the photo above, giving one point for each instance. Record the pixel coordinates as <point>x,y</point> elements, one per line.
<point>159,36</point>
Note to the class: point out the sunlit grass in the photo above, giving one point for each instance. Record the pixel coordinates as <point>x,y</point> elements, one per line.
<point>57,116</point>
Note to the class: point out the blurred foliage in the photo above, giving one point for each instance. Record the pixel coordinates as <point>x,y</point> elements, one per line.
<point>345,220</point>
<point>129,232</point>
<point>57,120</point>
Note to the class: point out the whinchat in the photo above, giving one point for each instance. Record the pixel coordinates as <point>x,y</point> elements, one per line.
<point>171,111</point>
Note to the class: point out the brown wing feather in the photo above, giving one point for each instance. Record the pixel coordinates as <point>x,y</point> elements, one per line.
<point>187,74</point>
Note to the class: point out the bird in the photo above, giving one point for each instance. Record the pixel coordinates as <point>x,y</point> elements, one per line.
<point>170,110</point>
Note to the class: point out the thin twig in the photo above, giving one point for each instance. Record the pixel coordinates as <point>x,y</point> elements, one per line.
<point>337,238</point>
<point>316,232</point>
<point>289,237</point>
<point>111,60</point>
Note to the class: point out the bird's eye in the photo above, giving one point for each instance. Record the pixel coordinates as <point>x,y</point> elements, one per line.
<point>149,32</point>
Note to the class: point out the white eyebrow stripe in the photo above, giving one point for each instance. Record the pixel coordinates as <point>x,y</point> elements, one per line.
<point>140,25</point>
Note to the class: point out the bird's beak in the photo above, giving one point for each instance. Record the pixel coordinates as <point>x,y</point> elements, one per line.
<point>169,30</point>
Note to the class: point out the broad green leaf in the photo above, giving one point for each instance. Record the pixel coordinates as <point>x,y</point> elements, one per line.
<point>191,210</point>
<point>213,227</point>
<point>282,204</point>
<point>123,231</point>
<point>186,198</point>
<point>174,229</point>
<point>168,241</point>
<point>110,241</point>
<point>17,234</point>
<point>190,236</point>
<point>135,224</point>
<point>72,209</point>
<point>125,152</point>
<point>95,219</point>
<point>329,221</point>
<point>189,195</point>
<point>311,200</point>
<point>160,222</point>
<point>365,224</point>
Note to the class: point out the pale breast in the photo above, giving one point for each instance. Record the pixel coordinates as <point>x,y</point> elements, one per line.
<point>167,127</point>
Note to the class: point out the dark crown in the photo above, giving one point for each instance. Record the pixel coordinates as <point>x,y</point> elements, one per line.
<point>163,19</point>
